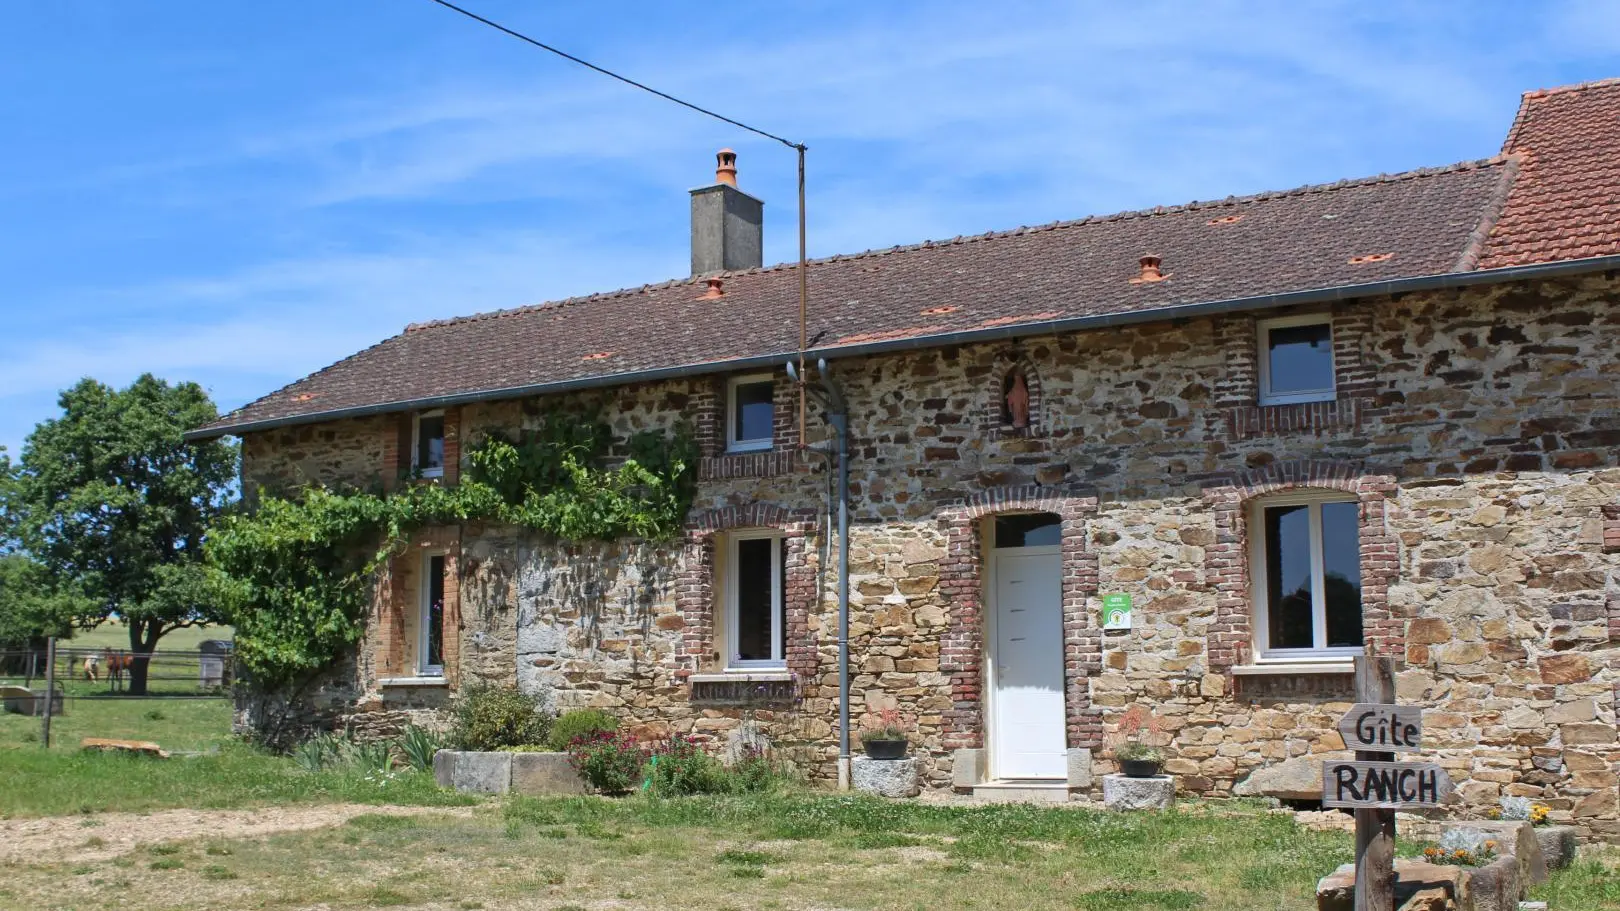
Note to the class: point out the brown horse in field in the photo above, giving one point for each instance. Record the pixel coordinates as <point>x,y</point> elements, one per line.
<point>118,663</point>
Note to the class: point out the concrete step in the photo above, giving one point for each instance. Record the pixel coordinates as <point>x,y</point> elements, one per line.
<point>1022,791</point>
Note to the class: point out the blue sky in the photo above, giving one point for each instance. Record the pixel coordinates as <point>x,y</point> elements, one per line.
<point>242,193</point>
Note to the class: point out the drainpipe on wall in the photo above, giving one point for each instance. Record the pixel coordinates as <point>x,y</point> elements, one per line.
<point>831,397</point>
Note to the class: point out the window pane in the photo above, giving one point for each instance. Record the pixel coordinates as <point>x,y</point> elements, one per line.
<point>1301,358</point>
<point>435,613</point>
<point>752,412</point>
<point>754,603</point>
<point>1034,530</point>
<point>1341,565</point>
<point>430,442</point>
<point>1288,576</point>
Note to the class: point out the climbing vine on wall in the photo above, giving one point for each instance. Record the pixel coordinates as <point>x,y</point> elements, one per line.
<point>303,569</point>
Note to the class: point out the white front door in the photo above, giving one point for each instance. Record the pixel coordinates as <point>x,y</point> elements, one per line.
<point>1026,710</point>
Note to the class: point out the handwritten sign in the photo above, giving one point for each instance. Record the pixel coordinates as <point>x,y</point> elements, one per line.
<point>1383,785</point>
<point>1384,728</point>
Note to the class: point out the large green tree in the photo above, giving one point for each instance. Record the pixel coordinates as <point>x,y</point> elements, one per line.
<point>114,502</point>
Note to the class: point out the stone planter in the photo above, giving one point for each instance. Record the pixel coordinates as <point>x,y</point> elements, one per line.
<point>499,773</point>
<point>1558,845</point>
<point>885,777</point>
<point>1496,886</point>
<point>1122,792</point>
<point>885,749</point>
<point>1140,768</point>
<point>1518,839</point>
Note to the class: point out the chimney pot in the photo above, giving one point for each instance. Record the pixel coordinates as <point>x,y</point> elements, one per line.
<point>714,290</point>
<point>1150,269</point>
<point>725,170</point>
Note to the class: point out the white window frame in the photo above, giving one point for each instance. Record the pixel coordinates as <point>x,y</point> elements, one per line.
<point>423,613</point>
<point>1264,351</point>
<point>1259,596</point>
<point>778,610</point>
<point>416,444</point>
<point>732,443</point>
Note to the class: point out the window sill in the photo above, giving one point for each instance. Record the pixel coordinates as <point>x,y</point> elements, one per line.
<point>755,676</point>
<point>746,448</point>
<point>1294,668</point>
<point>413,681</point>
<point>1266,401</point>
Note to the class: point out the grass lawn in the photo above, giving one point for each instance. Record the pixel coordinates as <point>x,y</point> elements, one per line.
<point>40,783</point>
<point>114,634</point>
<point>175,724</point>
<point>792,851</point>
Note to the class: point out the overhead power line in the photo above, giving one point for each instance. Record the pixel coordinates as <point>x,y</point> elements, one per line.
<point>624,79</point>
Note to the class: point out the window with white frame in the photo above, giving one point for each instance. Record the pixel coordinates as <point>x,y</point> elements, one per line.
<point>754,603</point>
<point>1305,567</point>
<point>427,444</point>
<point>430,642</point>
<point>750,413</point>
<point>1296,359</point>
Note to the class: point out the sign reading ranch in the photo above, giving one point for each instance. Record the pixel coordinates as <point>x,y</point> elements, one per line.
<point>1385,728</point>
<point>1383,785</point>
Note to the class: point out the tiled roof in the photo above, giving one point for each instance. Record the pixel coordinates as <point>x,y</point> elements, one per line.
<point>1388,227</point>
<point>1566,204</point>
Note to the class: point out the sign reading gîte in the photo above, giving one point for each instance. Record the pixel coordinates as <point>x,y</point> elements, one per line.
<point>1383,785</point>
<point>1385,728</point>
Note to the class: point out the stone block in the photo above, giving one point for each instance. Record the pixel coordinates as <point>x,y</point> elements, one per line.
<point>885,777</point>
<point>967,768</point>
<point>1558,845</point>
<point>482,773</point>
<point>1293,779</point>
<point>1496,886</point>
<point>135,747</point>
<point>1080,769</point>
<point>1419,886</point>
<point>545,773</point>
<point>444,766</point>
<point>1517,838</point>
<point>1121,792</point>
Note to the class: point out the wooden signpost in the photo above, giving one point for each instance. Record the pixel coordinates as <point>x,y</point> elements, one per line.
<point>1374,784</point>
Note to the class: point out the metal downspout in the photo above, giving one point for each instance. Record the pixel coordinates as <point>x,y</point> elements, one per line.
<point>840,423</point>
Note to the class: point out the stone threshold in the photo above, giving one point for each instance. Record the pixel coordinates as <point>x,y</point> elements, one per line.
<point>1025,790</point>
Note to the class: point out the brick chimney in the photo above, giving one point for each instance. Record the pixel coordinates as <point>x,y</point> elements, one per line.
<point>727,224</point>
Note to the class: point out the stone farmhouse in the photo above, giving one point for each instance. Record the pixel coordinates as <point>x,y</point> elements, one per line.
<point>1382,413</point>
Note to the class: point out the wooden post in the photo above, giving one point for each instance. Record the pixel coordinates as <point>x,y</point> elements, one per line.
<point>1375,829</point>
<point>50,690</point>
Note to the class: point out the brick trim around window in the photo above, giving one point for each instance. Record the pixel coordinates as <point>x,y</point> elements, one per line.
<point>961,580</point>
<point>1237,392</point>
<point>1230,640</point>
<point>395,600</point>
<point>695,584</point>
<point>709,403</point>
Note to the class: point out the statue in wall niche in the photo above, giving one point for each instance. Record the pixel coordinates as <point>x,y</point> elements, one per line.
<point>1017,400</point>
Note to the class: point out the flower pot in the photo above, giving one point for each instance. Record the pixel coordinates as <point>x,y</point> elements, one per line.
<point>885,749</point>
<point>1140,768</point>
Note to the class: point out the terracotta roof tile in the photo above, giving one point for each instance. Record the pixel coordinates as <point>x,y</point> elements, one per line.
<point>1430,221</point>
<point>1566,203</point>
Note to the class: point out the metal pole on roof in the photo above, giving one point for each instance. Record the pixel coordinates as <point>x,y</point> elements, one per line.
<point>804,297</point>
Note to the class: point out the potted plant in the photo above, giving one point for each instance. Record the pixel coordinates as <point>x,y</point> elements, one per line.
<point>1136,757</point>
<point>882,736</point>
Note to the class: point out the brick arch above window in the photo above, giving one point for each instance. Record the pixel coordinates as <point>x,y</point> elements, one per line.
<point>696,588</point>
<point>961,583</point>
<point>1230,640</point>
<point>995,425</point>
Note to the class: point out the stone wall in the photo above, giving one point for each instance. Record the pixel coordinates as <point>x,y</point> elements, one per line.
<point>1478,429</point>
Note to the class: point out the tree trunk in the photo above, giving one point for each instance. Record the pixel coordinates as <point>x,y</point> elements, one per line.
<point>143,638</point>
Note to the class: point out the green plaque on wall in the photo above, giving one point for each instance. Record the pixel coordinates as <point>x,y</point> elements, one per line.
<point>1116,612</point>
